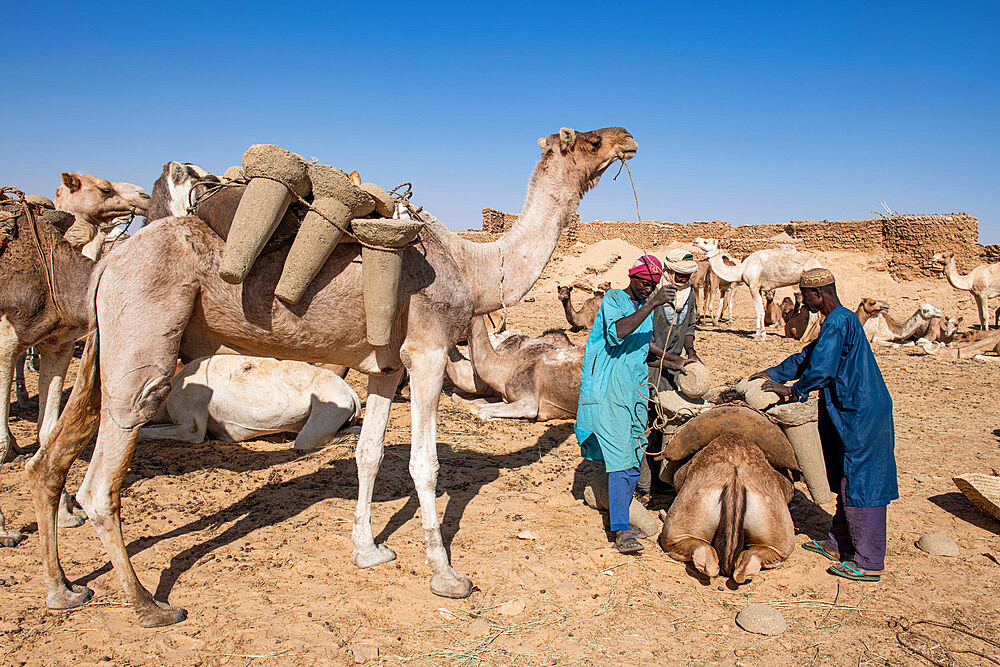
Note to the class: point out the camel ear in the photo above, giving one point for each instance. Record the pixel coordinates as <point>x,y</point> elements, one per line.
<point>960,319</point>
<point>543,142</point>
<point>566,138</point>
<point>355,178</point>
<point>71,181</point>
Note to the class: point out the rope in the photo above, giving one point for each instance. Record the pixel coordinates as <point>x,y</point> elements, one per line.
<point>210,192</point>
<point>26,209</point>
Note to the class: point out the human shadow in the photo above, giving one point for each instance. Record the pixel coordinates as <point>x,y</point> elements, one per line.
<point>277,502</point>
<point>956,504</point>
<point>808,517</point>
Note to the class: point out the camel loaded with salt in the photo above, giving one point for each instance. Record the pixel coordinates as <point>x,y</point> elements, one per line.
<point>335,205</point>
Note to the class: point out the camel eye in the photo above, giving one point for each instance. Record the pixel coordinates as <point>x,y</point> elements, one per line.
<point>105,191</point>
<point>596,142</point>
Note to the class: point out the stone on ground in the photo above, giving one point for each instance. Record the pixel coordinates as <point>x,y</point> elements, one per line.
<point>938,545</point>
<point>761,619</point>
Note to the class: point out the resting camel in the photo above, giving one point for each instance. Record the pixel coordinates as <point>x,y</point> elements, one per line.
<point>731,511</point>
<point>98,206</point>
<point>537,381</point>
<point>761,270</point>
<point>885,330</point>
<point>167,274</point>
<point>983,282</point>
<point>974,347</point>
<point>583,318</point>
<point>235,398</point>
<point>462,374</point>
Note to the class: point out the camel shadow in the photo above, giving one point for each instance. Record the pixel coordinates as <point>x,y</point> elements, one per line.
<point>279,501</point>
<point>956,504</point>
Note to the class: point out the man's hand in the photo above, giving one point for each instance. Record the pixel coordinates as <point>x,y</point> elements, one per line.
<point>675,362</point>
<point>692,357</point>
<point>662,295</point>
<point>779,389</point>
<point>759,375</point>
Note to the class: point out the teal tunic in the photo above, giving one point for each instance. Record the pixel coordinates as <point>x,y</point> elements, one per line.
<point>611,415</point>
<point>855,409</point>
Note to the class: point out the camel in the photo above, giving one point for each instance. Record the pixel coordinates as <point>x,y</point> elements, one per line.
<point>770,268</point>
<point>885,330</point>
<point>974,347</point>
<point>538,381</point>
<point>983,282</point>
<point>167,274</point>
<point>729,497</point>
<point>583,318</point>
<point>98,206</point>
<point>235,398</point>
<point>178,187</point>
<point>461,373</point>
<point>706,284</point>
<point>944,329</point>
<point>773,315</point>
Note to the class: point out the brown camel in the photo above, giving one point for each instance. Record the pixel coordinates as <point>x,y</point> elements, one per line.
<point>462,374</point>
<point>98,206</point>
<point>983,282</point>
<point>731,511</point>
<point>772,310</point>
<point>537,382</point>
<point>583,318</point>
<point>152,293</point>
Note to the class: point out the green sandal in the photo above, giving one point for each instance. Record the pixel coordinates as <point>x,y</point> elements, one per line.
<point>850,570</point>
<point>820,548</point>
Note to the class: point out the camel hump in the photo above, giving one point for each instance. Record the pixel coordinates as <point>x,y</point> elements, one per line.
<point>693,436</point>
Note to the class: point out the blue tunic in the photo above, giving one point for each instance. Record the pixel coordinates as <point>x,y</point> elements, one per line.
<point>611,416</point>
<point>855,409</point>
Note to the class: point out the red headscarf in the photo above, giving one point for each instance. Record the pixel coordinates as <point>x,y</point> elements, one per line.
<point>647,267</point>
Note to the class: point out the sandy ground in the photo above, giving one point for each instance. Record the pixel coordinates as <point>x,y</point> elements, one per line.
<point>253,539</point>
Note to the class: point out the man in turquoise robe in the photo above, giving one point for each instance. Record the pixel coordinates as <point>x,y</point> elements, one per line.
<point>611,416</point>
<point>855,427</point>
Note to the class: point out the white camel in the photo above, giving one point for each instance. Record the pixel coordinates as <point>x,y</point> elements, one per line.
<point>884,330</point>
<point>149,294</point>
<point>766,269</point>
<point>983,282</point>
<point>234,398</point>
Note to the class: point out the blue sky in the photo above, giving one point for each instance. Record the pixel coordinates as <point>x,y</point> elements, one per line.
<point>746,114</point>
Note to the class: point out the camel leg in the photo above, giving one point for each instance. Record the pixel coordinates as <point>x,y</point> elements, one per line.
<point>368,454</point>
<point>426,378</point>
<point>8,538</point>
<point>23,397</point>
<point>526,408</point>
<point>698,552</point>
<point>767,525</point>
<point>758,309</point>
<point>10,349</point>
<point>100,495</point>
<point>55,360</point>
<point>984,313</point>
<point>325,420</point>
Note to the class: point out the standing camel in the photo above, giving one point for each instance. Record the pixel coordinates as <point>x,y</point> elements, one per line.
<point>761,270</point>
<point>152,293</point>
<point>983,282</point>
<point>583,318</point>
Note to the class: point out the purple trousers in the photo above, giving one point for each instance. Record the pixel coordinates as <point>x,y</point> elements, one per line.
<point>858,533</point>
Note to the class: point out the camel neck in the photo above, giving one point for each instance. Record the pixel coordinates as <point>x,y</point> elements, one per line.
<point>501,273</point>
<point>957,280</point>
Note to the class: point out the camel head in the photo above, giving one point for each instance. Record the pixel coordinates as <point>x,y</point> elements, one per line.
<point>787,305</point>
<point>939,260</point>
<point>949,327</point>
<point>709,246</point>
<point>585,155</point>
<point>178,187</point>
<point>769,296</point>
<point>564,292</point>
<point>873,307</point>
<point>929,312</point>
<point>98,201</point>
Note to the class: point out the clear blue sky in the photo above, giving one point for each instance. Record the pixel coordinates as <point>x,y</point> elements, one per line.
<point>761,114</point>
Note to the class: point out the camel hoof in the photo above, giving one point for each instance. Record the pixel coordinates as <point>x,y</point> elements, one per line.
<point>451,585</point>
<point>69,598</point>
<point>377,556</point>
<point>71,520</point>
<point>162,614</point>
<point>11,538</point>
<point>78,511</point>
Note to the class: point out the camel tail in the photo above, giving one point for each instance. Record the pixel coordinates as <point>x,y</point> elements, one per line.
<point>81,416</point>
<point>728,540</point>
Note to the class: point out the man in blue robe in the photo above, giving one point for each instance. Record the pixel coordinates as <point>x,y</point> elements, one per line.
<point>855,428</point>
<point>611,415</point>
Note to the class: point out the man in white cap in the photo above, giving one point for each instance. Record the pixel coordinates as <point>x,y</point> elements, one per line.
<point>673,333</point>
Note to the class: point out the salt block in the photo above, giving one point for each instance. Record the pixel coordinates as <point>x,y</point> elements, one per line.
<point>381,271</point>
<point>938,545</point>
<point>332,183</point>
<point>757,398</point>
<point>312,246</point>
<point>695,382</point>
<point>233,173</point>
<point>761,619</point>
<point>384,205</point>
<point>643,519</point>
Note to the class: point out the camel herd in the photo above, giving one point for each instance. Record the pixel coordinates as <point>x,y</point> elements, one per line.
<point>252,364</point>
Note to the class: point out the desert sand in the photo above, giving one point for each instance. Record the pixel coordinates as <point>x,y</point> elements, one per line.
<point>253,539</point>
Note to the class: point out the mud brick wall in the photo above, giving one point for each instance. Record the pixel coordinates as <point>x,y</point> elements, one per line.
<point>906,241</point>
